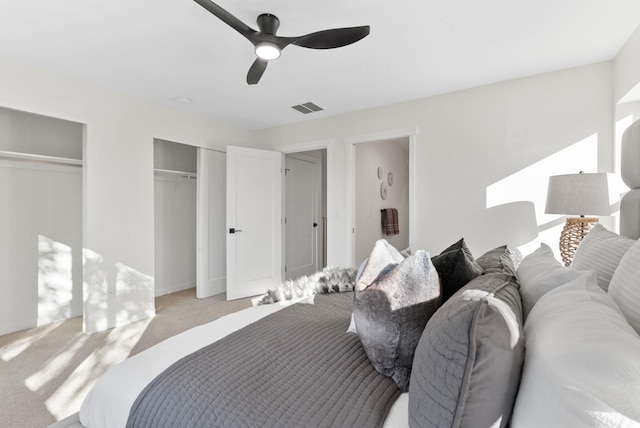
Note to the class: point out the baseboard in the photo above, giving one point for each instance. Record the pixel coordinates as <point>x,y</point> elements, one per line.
<point>161,291</point>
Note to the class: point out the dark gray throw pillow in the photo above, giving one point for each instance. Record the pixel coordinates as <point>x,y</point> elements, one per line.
<point>456,267</point>
<point>393,302</point>
<point>459,245</point>
<point>467,364</point>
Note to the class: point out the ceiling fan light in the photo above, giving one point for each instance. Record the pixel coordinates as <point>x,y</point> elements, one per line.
<point>267,50</point>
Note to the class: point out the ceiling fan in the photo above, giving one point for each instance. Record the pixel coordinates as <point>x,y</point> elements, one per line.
<point>268,46</point>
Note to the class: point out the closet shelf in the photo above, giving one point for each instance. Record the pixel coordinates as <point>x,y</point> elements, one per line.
<point>171,172</point>
<point>4,154</point>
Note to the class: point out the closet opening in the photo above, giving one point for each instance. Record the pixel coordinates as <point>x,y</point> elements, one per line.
<point>40,220</point>
<point>175,196</point>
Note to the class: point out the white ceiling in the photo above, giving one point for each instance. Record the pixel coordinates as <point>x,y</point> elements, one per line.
<point>165,50</point>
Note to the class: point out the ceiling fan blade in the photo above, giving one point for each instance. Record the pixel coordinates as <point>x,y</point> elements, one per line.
<point>329,39</point>
<point>257,69</point>
<point>227,18</point>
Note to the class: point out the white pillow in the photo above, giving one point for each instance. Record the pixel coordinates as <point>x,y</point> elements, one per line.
<point>582,362</point>
<point>601,250</point>
<point>539,273</point>
<point>352,325</point>
<point>625,286</point>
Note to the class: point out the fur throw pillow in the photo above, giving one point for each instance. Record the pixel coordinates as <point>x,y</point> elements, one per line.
<point>328,280</point>
<point>395,297</point>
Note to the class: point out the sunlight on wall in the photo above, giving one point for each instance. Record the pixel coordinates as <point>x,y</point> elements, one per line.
<point>94,292</point>
<point>136,290</point>
<point>530,184</point>
<point>114,293</point>
<point>55,282</point>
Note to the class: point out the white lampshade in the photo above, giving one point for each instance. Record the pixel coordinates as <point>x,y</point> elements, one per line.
<point>578,194</point>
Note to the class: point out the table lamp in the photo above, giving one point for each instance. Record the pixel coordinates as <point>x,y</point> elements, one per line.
<point>577,194</point>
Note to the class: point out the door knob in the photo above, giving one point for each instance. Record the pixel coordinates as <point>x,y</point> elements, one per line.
<point>234,230</point>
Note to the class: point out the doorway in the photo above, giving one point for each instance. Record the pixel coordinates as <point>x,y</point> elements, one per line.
<point>305,213</point>
<point>381,183</point>
<point>261,206</point>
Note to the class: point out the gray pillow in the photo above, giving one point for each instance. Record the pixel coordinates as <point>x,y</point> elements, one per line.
<point>393,302</point>
<point>497,260</point>
<point>456,267</point>
<point>467,364</point>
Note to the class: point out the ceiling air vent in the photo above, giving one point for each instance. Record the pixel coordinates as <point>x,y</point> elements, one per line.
<point>307,108</point>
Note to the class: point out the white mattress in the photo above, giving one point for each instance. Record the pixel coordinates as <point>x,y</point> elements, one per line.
<point>109,401</point>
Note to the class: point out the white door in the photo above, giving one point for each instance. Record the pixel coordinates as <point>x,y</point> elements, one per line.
<point>254,221</point>
<point>302,181</point>
<point>211,231</point>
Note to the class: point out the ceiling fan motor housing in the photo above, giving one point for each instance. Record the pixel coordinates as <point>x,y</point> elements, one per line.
<point>268,23</point>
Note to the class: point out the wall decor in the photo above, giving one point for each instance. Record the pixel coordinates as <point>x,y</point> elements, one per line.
<point>383,190</point>
<point>390,178</point>
<point>380,172</point>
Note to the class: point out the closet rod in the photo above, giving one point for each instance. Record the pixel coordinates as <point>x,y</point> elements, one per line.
<point>183,174</point>
<point>39,158</point>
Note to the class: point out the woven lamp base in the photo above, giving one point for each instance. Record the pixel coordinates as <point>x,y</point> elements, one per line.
<point>573,232</point>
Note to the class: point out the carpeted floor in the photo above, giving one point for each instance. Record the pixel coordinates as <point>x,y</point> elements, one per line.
<point>45,372</point>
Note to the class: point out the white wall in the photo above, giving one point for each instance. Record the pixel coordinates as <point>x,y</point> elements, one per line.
<point>482,156</point>
<point>118,197</point>
<point>626,68</point>
<point>391,156</point>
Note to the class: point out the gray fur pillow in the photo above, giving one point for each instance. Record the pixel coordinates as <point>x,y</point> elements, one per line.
<point>395,297</point>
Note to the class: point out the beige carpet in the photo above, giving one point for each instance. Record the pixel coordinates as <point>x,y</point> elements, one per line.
<point>45,372</point>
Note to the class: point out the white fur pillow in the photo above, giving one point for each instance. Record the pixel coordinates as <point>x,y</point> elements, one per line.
<point>582,362</point>
<point>539,273</point>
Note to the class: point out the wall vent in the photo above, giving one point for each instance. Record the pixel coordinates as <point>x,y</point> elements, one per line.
<point>307,108</point>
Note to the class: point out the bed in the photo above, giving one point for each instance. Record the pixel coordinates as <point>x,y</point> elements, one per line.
<point>483,344</point>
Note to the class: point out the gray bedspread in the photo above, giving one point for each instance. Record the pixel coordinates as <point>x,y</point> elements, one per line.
<point>295,368</point>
